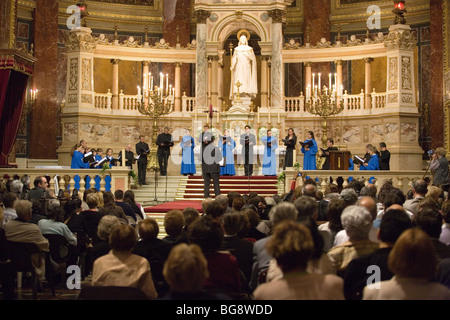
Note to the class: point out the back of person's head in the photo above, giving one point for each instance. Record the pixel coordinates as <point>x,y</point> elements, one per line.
<point>434,192</point>
<point>238,203</point>
<point>367,191</point>
<point>207,233</point>
<point>350,196</point>
<point>16,186</point>
<point>215,210</point>
<point>108,199</point>
<point>368,203</point>
<point>71,207</point>
<point>88,191</point>
<point>420,187</point>
<point>427,202</point>
<point>205,204</point>
<point>106,224</point>
<point>148,229</point>
<point>446,211</point>
<point>9,199</point>
<point>331,188</point>
<point>310,181</point>
<point>123,238</point>
<point>291,245</point>
<point>231,196</point>
<point>118,194</point>
<point>356,185</point>
<point>334,213</point>
<point>253,217</point>
<point>307,206</point>
<point>233,222</point>
<point>413,255</point>
<point>319,243</point>
<point>129,197</point>
<point>23,209</point>
<point>430,221</point>
<point>190,215</point>
<point>395,196</point>
<point>392,225</point>
<point>92,200</point>
<point>357,222</point>
<point>310,190</point>
<point>252,194</point>
<point>186,268</point>
<point>57,214</point>
<point>385,188</point>
<point>37,181</point>
<point>282,211</point>
<point>174,222</point>
<point>277,198</point>
<point>222,200</point>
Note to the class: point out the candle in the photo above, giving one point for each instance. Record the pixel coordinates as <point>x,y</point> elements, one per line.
<point>313,76</point>
<point>149,79</point>
<point>308,91</point>
<point>318,80</point>
<point>329,81</point>
<point>167,81</point>
<point>335,80</point>
<point>170,90</point>
<point>161,80</point>
<point>258,115</point>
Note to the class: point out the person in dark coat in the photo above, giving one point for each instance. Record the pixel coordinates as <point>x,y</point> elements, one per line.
<point>211,157</point>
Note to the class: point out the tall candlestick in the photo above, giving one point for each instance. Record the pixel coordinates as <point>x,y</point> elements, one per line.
<point>167,81</point>
<point>161,80</point>
<point>149,77</point>
<point>313,77</point>
<point>151,86</point>
<point>329,81</point>
<point>318,80</point>
<point>335,80</point>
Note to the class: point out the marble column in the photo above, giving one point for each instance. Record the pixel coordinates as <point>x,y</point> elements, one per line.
<point>339,76</point>
<point>214,66</point>
<point>276,81</point>
<point>115,83</point>
<point>45,121</point>
<point>209,81</point>
<point>264,80</point>
<point>368,83</point>
<point>220,67</point>
<point>201,70</point>
<point>177,86</point>
<point>145,76</point>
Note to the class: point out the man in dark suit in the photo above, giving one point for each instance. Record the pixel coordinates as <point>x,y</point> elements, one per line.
<point>385,157</point>
<point>326,153</point>
<point>129,156</point>
<point>164,142</point>
<point>211,157</point>
<point>142,149</point>
<point>248,141</point>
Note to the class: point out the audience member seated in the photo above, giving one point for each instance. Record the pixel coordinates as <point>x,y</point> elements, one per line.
<point>445,233</point>
<point>40,184</point>
<point>174,224</point>
<point>357,222</point>
<point>23,230</point>
<point>215,210</point>
<point>349,195</point>
<point>129,197</point>
<point>120,267</point>
<point>436,193</point>
<point>54,224</point>
<point>205,203</point>
<point>224,273</point>
<point>233,222</point>
<point>292,246</point>
<point>393,224</point>
<point>238,203</point>
<point>254,220</point>
<point>154,250</point>
<point>333,225</point>
<point>110,207</point>
<point>9,213</point>
<point>430,221</point>
<point>92,216</point>
<point>127,209</point>
<point>419,190</point>
<point>105,226</point>
<point>413,262</point>
<point>37,212</point>
<point>84,205</point>
<point>261,257</point>
<point>231,196</point>
<point>190,215</point>
<point>223,201</point>
<point>186,272</point>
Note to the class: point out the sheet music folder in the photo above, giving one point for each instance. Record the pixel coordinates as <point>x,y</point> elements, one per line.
<point>309,143</point>
<point>358,159</point>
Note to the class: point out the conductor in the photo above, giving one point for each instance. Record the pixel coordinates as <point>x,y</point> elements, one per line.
<point>248,141</point>
<point>142,149</point>
<point>211,157</point>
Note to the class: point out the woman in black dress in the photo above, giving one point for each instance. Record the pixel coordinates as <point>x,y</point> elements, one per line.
<point>290,141</point>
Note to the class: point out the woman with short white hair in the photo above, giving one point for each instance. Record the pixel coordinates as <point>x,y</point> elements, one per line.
<point>357,222</point>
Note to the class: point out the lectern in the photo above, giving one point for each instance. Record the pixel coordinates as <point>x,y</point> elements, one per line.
<point>339,160</point>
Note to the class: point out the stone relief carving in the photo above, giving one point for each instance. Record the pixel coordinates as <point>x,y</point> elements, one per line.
<point>353,41</point>
<point>72,98</point>
<point>84,43</point>
<point>131,42</point>
<point>102,39</point>
<point>323,43</point>
<point>73,74</point>
<point>407,98</point>
<point>86,67</point>
<point>400,40</point>
<point>393,72</point>
<point>406,73</point>
<point>192,45</point>
<point>86,98</point>
<point>162,44</point>
<point>292,44</point>
<point>393,98</point>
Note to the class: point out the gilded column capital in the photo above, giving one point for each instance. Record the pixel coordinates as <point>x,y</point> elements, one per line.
<point>308,64</point>
<point>178,64</point>
<point>368,60</point>
<point>201,15</point>
<point>114,61</point>
<point>338,62</point>
<point>145,63</point>
<point>277,15</point>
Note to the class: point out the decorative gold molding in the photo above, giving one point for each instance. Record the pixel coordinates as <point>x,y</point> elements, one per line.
<point>445,36</point>
<point>12,25</point>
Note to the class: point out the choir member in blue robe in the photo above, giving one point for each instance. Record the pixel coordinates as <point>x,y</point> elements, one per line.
<point>309,152</point>
<point>187,155</point>
<point>269,166</point>
<point>373,163</point>
<point>112,161</point>
<point>227,145</point>
<point>77,159</point>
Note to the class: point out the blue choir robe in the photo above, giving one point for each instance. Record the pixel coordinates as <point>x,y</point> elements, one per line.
<point>77,161</point>
<point>187,155</point>
<point>228,155</point>
<point>373,164</point>
<point>269,165</point>
<point>309,156</point>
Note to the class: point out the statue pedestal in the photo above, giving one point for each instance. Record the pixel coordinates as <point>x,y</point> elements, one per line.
<point>241,106</point>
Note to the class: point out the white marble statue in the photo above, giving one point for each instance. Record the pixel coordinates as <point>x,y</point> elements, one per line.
<point>244,70</point>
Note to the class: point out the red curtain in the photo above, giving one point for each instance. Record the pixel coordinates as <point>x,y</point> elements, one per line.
<point>11,110</point>
<point>4,79</point>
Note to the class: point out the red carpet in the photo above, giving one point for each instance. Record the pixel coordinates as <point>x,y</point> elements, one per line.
<point>180,205</point>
